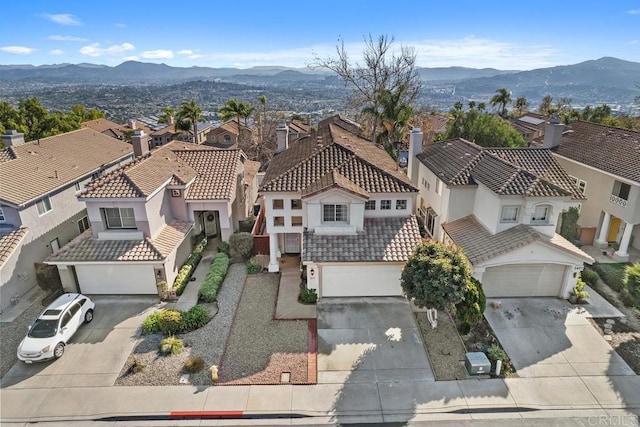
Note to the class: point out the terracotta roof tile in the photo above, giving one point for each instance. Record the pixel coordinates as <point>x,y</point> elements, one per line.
<point>383,239</point>
<point>479,245</point>
<point>334,179</point>
<point>72,155</point>
<point>10,241</point>
<point>607,148</point>
<point>103,125</point>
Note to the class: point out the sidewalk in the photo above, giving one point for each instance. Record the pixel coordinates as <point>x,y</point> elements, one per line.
<point>288,306</point>
<point>189,296</point>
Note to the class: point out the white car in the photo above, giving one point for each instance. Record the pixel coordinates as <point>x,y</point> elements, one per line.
<point>54,327</point>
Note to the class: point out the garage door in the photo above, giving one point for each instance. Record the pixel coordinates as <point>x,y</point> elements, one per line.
<point>360,281</point>
<point>522,280</point>
<point>116,279</point>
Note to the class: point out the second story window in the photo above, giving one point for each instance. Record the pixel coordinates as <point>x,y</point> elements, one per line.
<point>580,183</point>
<point>370,205</point>
<point>385,205</point>
<point>401,204</point>
<point>510,214</point>
<point>44,205</point>
<point>278,204</point>
<point>83,224</point>
<point>540,215</point>
<point>334,213</point>
<point>296,204</point>
<point>119,217</point>
<point>621,190</point>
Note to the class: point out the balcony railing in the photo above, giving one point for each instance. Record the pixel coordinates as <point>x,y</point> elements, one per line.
<point>618,200</point>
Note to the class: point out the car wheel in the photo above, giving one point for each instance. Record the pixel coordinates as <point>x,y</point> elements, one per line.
<point>88,316</point>
<point>58,351</point>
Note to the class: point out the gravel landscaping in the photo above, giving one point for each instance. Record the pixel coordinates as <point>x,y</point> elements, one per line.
<point>207,342</point>
<point>260,349</point>
<point>444,347</point>
<point>11,333</point>
<point>624,339</point>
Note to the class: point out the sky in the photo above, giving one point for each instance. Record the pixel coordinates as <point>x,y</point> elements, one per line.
<point>508,35</point>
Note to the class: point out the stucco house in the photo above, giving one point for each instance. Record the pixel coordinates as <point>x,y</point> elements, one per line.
<point>143,216</point>
<point>342,204</point>
<point>39,211</point>
<point>604,162</point>
<point>502,207</point>
<point>229,134</point>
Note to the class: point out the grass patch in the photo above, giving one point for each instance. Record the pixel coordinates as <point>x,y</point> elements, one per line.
<point>612,274</point>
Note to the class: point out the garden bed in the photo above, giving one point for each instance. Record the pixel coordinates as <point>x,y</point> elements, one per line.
<point>445,349</point>
<point>625,341</point>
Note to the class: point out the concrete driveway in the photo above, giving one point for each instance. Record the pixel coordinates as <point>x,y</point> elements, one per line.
<point>369,340</point>
<point>96,353</point>
<point>548,337</point>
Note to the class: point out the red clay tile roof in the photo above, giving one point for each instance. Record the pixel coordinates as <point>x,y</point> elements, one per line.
<point>10,241</point>
<point>479,245</point>
<point>610,149</point>
<point>72,155</point>
<point>506,171</point>
<point>86,248</point>
<point>103,125</point>
<point>330,148</point>
<point>334,180</point>
<point>383,240</point>
<point>216,173</point>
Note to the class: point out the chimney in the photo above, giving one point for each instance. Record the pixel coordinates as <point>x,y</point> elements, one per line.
<point>12,138</point>
<point>415,148</point>
<point>133,124</point>
<point>282,137</point>
<point>140,143</point>
<point>552,133</point>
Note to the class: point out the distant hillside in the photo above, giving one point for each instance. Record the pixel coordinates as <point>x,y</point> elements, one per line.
<point>450,74</point>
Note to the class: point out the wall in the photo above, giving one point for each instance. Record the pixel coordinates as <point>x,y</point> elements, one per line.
<point>487,208</point>
<point>174,261</point>
<point>355,207</point>
<point>224,210</point>
<point>286,212</point>
<point>438,202</point>
<point>178,205</point>
<point>461,200</point>
<point>64,205</point>
<point>11,216</point>
<point>158,212</point>
<point>393,212</point>
<point>97,221</point>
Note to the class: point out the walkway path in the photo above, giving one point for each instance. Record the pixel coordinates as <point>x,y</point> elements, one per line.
<point>288,306</point>
<point>189,296</point>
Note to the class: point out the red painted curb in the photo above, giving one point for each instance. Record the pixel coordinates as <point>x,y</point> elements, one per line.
<point>205,414</point>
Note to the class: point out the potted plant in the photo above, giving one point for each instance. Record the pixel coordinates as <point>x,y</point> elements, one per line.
<point>578,294</point>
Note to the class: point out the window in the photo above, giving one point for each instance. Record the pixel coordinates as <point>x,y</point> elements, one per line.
<point>120,217</point>
<point>176,193</point>
<point>296,204</point>
<point>83,224</point>
<point>44,205</point>
<point>296,221</point>
<point>227,138</point>
<point>278,221</point>
<point>510,214</point>
<point>370,205</point>
<point>278,204</point>
<point>581,184</point>
<point>2,217</point>
<point>77,186</point>
<point>430,221</point>
<point>620,189</point>
<point>66,318</point>
<point>334,213</point>
<point>401,204</point>
<point>438,187</point>
<point>540,214</point>
<point>385,205</point>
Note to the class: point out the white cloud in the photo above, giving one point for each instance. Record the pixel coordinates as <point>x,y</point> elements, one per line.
<point>634,42</point>
<point>56,52</point>
<point>95,50</point>
<point>67,38</point>
<point>63,19</point>
<point>17,50</point>
<point>185,52</point>
<point>634,12</point>
<point>157,54</point>
<point>195,56</point>
<point>130,58</point>
<point>119,25</point>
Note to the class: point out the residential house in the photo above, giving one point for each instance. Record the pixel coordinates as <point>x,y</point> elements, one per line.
<point>39,212</point>
<point>106,127</point>
<point>530,125</point>
<point>604,162</point>
<point>502,207</point>
<point>342,204</point>
<point>169,133</point>
<point>298,129</point>
<point>229,134</point>
<point>145,216</point>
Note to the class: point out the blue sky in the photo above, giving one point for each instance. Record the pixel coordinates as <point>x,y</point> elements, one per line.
<point>506,35</point>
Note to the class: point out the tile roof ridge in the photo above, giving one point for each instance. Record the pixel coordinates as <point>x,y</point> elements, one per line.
<point>473,161</point>
<point>580,121</point>
<point>120,171</point>
<point>314,152</point>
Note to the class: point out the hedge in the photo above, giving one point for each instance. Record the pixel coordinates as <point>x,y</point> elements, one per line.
<point>175,321</point>
<point>189,267</point>
<point>217,272</point>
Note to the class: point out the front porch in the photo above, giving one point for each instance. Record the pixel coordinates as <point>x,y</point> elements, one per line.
<point>615,233</point>
<point>607,255</point>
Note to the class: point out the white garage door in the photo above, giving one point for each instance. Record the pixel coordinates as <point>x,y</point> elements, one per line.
<point>522,280</point>
<point>360,280</point>
<point>116,279</point>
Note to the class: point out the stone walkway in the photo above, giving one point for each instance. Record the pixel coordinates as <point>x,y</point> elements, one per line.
<point>288,306</point>
<point>189,296</point>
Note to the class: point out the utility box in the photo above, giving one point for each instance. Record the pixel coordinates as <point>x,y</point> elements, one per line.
<point>477,363</point>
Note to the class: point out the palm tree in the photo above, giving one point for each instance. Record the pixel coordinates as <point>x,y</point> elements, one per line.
<point>521,104</point>
<point>188,116</point>
<point>482,106</point>
<point>234,109</point>
<point>394,115</point>
<point>167,115</point>
<point>472,104</point>
<point>502,98</point>
<point>263,101</point>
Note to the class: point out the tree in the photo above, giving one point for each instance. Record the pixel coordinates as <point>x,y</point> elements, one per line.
<point>382,69</point>
<point>521,105</point>
<point>501,98</point>
<point>545,106</point>
<point>394,116</point>
<point>80,114</point>
<point>188,116</point>
<point>234,109</point>
<point>436,276</point>
<point>469,311</point>
<point>482,107</point>
<point>482,128</point>
<point>167,115</point>
<point>33,115</point>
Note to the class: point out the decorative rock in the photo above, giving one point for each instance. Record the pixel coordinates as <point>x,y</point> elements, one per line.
<point>623,320</point>
<point>608,338</point>
<point>184,379</point>
<point>610,321</point>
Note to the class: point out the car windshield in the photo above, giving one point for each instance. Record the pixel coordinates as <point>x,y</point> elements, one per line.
<point>43,328</point>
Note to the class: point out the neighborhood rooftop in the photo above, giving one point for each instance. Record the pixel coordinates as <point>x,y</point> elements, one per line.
<point>10,241</point>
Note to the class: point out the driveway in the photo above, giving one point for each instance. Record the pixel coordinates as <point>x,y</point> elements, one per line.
<point>548,337</point>
<point>369,340</point>
<point>96,353</point>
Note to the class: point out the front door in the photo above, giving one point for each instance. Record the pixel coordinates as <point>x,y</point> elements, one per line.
<point>292,243</point>
<point>211,223</point>
<point>614,227</point>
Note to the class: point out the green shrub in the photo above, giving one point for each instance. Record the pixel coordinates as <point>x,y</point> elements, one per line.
<point>495,353</point>
<point>590,277</point>
<point>195,318</point>
<point>151,324</point>
<point>612,274</point>
<point>182,279</point>
<point>253,266</point>
<point>223,247</point>
<point>193,365</point>
<point>579,292</point>
<point>628,299</point>
<point>215,276</point>
<point>308,296</point>
<point>170,321</point>
<point>171,345</point>
<point>469,311</point>
<point>241,245</point>
<point>632,279</point>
